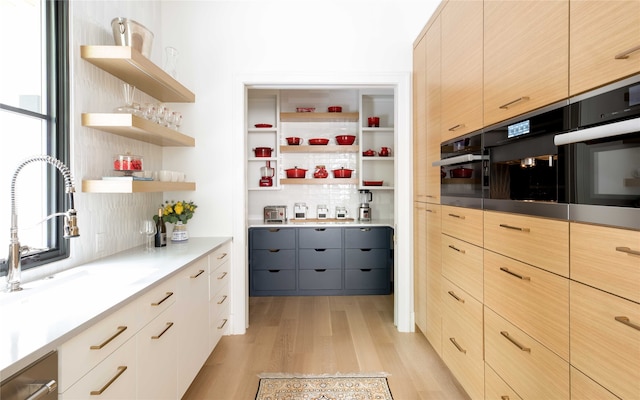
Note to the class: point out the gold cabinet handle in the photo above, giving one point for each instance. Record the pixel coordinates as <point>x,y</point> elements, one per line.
<point>429,210</point>
<point>512,340</point>
<point>430,196</point>
<point>515,228</point>
<point>223,255</point>
<point>460,349</point>
<point>627,322</point>
<point>453,294</point>
<point>504,397</point>
<point>169,325</point>
<point>274,230</point>
<point>628,251</point>
<point>121,370</point>
<point>625,54</point>
<point>224,297</point>
<point>456,249</point>
<point>516,101</point>
<point>456,127</point>
<point>106,342</point>
<point>168,294</point>
<point>457,216</point>
<point>222,276</point>
<point>200,272</point>
<point>224,322</point>
<point>524,278</point>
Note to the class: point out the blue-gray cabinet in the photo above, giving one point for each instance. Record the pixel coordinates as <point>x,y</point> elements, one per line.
<point>317,261</point>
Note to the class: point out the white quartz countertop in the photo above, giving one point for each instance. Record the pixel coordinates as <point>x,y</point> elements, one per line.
<point>48,312</point>
<point>259,223</point>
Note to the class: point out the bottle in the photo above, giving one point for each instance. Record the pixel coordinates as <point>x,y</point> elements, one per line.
<point>161,231</point>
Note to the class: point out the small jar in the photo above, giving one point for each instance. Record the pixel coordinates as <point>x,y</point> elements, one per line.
<point>320,172</point>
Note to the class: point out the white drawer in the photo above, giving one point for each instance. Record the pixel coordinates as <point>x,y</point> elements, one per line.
<point>156,300</point>
<point>220,255</point>
<point>218,320</point>
<point>219,279</point>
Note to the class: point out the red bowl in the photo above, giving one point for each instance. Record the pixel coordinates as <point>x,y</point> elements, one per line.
<point>342,173</point>
<point>296,172</point>
<point>294,141</point>
<point>318,141</point>
<point>345,139</point>
<point>334,109</point>
<point>461,172</point>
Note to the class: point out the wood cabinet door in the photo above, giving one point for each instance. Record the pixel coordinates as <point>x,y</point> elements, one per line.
<point>604,43</point>
<point>526,56</point>
<point>434,277</point>
<point>434,108</point>
<point>420,166</point>
<point>461,71</point>
<point>420,265</point>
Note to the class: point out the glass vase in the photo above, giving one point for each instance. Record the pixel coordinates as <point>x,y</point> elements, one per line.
<point>180,232</point>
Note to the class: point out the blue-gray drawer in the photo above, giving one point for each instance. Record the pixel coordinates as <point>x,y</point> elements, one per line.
<point>273,238</point>
<point>366,258</point>
<point>367,279</point>
<point>320,258</point>
<point>268,259</point>
<point>274,279</point>
<point>320,238</point>
<point>311,279</point>
<point>367,238</point>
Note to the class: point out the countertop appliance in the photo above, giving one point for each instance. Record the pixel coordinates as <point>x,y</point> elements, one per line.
<point>300,210</point>
<point>275,214</point>
<point>364,210</point>
<point>38,381</point>
<point>604,153</point>
<point>266,174</point>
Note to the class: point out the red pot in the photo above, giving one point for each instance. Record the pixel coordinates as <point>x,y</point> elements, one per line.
<point>461,172</point>
<point>334,109</point>
<point>294,141</point>
<point>263,151</point>
<point>345,139</point>
<point>296,172</point>
<point>318,141</point>
<point>342,173</point>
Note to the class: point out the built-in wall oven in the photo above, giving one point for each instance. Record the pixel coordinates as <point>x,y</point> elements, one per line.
<point>604,153</point>
<point>463,170</point>
<point>528,173</point>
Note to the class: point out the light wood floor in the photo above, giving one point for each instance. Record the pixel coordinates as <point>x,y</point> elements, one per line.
<point>315,335</point>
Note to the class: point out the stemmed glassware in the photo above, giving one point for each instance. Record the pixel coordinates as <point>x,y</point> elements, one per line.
<point>148,228</point>
<point>128,92</point>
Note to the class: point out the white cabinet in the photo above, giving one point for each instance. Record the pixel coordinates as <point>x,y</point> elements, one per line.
<point>219,294</point>
<point>263,110</point>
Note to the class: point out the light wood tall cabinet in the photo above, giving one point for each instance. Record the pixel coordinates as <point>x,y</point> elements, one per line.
<point>526,56</point>
<point>461,68</point>
<point>604,42</point>
<point>420,144</point>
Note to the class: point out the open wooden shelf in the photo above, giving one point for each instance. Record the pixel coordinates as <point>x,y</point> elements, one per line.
<point>319,149</point>
<point>132,67</point>
<point>127,186</point>
<point>318,116</point>
<point>134,127</point>
<point>319,181</point>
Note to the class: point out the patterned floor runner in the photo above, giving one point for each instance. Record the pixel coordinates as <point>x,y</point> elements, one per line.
<point>323,387</point>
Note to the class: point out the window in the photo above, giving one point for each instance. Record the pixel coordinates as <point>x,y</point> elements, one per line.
<point>34,120</point>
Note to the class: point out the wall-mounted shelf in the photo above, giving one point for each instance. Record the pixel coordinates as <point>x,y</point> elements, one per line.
<point>132,67</point>
<point>319,181</point>
<point>130,186</point>
<point>319,149</point>
<point>134,127</point>
<point>320,116</point>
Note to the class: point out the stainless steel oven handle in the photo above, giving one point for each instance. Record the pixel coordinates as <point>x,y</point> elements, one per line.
<point>458,160</point>
<point>598,132</point>
<point>44,390</point>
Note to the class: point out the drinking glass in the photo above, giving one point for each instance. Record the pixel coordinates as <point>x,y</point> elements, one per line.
<point>128,93</point>
<point>148,228</point>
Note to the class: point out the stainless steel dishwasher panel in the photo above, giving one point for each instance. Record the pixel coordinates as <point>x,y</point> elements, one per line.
<point>38,381</point>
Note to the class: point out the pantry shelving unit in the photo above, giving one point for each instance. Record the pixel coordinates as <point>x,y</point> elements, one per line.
<point>132,67</point>
<point>377,168</point>
<point>318,116</point>
<point>263,108</point>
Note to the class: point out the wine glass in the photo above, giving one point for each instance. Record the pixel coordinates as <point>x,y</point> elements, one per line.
<point>148,228</point>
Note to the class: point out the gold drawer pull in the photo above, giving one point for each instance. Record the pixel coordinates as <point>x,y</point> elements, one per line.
<point>504,397</point>
<point>512,340</point>
<point>628,251</point>
<point>516,101</point>
<point>223,255</point>
<point>626,321</point>
<point>430,196</point>
<point>429,210</point>
<point>625,54</point>
<point>456,127</point>
<point>169,325</point>
<point>456,249</point>
<point>222,276</point>
<point>224,322</point>
<point>200,272</point>
<point>457,216</point>
<point>121,370</point>
<point>274,230</point>
<point>460,349</point>
<point>515,228</point>
<point>101,345</point>
<point>452,294</point>
<point>224,297</point>
<point>168,294</point>
<point>524,278</point>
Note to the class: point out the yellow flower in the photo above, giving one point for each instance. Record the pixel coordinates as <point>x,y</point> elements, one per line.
<point>180,211</point>
<point>178,208</point>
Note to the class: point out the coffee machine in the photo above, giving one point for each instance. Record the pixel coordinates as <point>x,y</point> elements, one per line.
<point>364,211</point>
